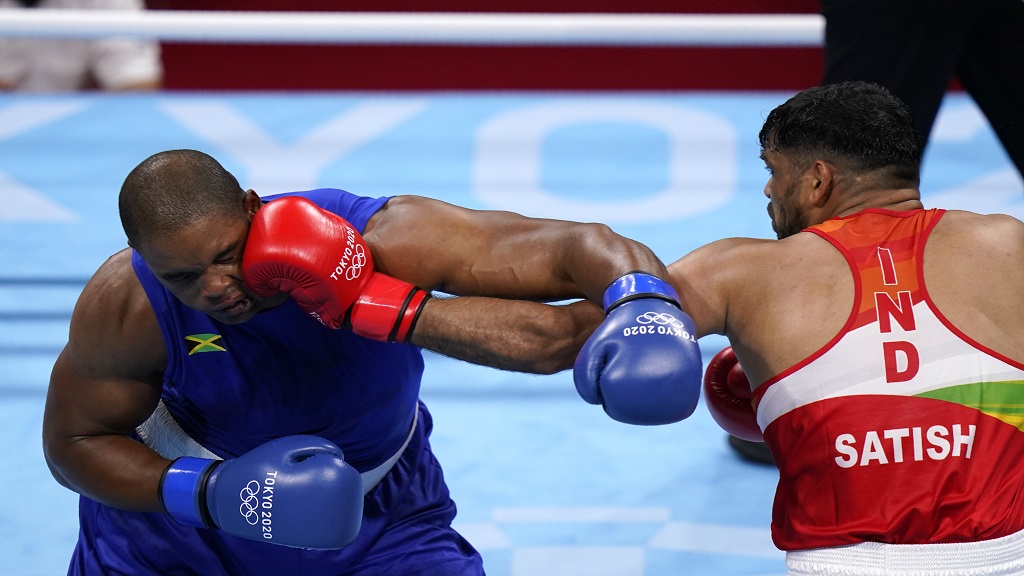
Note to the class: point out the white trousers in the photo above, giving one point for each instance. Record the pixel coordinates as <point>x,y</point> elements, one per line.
<point>999,557</point>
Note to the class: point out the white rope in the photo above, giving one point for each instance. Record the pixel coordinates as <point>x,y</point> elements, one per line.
<point>422,28</point>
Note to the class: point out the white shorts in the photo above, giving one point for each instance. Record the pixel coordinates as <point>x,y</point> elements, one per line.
<point>999,557</point>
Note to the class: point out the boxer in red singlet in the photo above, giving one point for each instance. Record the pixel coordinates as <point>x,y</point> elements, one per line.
<point>884,348</point>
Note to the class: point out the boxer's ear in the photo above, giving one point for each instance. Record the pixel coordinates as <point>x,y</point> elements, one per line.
<point>252,203</point>
<point>823,182</point>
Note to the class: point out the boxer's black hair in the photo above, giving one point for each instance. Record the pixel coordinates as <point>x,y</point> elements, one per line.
<point>174,189</point>
<point>857,125</point>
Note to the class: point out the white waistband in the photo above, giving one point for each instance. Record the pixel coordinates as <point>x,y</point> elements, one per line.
<point>163,434</point>
<point>165,437</point>
<point>998,557</point>
<point>373,477</point>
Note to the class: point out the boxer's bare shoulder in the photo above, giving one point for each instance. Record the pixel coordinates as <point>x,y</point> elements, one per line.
<point>974,268</point>
<point>727,284</point>
<point>113,327</point>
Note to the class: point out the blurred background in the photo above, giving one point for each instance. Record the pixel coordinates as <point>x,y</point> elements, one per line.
<point>437,66</point>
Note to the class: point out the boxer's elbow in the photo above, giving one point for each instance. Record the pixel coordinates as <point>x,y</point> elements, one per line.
<point>55,472</point>
<point>69,457</point>
<point>55,454</point>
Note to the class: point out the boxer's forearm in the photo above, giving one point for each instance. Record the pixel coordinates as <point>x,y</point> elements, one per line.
<point>506,334</point>
<point>113,470</point>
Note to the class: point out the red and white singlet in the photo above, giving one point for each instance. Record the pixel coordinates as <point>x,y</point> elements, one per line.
<point>902,429</point>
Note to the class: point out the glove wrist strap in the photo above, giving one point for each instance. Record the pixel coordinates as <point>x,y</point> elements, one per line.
<point>387,309</point>
<point>636,285</point>
<point>183,490</point>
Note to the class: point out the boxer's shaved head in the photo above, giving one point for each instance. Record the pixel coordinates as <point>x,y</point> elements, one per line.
<point>171,190</point>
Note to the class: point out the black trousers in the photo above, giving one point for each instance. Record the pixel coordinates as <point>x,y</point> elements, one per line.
<point>916,47</point>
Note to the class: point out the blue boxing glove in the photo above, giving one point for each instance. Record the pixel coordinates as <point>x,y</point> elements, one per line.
<point>643,363</point>
<point>295,491</point>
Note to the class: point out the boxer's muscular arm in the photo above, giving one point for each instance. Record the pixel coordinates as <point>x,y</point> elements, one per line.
<point>502,256</point>
<point>105,382</point>
<point>493,253</point>
<point>706,280</point>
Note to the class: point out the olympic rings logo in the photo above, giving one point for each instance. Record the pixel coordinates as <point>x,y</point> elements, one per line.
<point>358,262</point>
<point>250,502</point>
<point>352,261</point>
<point>661,319</point>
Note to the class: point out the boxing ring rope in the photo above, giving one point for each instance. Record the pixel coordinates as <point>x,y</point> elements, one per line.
<point>507,29</point>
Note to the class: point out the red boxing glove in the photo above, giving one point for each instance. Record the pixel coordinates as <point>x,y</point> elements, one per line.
<point>727,395</point>
<point>323,263</point>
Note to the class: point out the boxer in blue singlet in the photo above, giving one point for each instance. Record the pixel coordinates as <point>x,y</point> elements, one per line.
<point>271,360</point>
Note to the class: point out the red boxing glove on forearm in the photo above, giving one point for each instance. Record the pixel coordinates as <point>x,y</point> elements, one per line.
<point>387,309</point>
<point>323,263</point>
<point>727,395</point>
